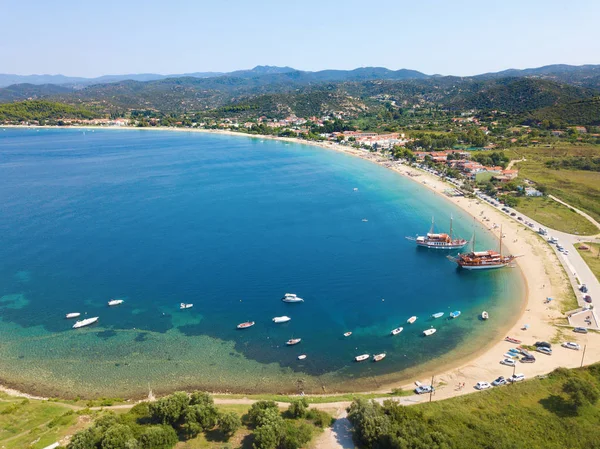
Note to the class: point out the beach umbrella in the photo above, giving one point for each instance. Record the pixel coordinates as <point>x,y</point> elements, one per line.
<point>526,327</point>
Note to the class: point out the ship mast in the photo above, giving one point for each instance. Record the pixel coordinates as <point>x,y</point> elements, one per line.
<point>450,228</point>
<point>500,240</point>
<point>431,230</point>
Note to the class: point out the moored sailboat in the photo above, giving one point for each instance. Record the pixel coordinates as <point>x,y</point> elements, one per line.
<point>438,241</point>
<point>482,260</point>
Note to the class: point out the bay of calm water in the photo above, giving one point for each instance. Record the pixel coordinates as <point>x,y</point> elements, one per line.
<point>229,224</point>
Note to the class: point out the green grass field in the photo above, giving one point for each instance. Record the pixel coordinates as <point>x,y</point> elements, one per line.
<point>34,424</point>
<point>592,258</point>
<point>577,187</point>
<point>531,414</point>
<point>556,216</point>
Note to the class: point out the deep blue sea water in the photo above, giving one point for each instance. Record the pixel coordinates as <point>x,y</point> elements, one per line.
<point>229,224</point>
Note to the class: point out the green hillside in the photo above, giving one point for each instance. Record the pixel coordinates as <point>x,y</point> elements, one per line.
<point>42,110</point>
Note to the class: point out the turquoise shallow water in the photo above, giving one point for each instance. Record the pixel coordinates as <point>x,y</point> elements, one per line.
<point>229,224</point>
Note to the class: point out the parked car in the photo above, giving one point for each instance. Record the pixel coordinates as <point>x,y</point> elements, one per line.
<point>581,330</point>
<point>482,385</point>
<point>528,359</point>
<point>500,381</point>
<point>508,362</point>
<point>424,389</point>
<point>520,218</point>
<point>544,350</point>
<point>587,298</point>
<point>512,214</point>
<point>583,288</point>
<point>516,377</point>
<point>571,345</point>
<point>543,344</point>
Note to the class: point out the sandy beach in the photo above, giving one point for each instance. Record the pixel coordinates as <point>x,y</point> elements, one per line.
<point>543,274</point>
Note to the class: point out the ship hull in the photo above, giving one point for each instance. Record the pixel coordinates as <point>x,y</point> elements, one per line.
<point>446,247</point>
<point>482,267</point>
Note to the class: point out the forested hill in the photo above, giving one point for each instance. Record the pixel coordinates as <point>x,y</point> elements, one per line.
<point>585,112</point>
<point>42,110</point>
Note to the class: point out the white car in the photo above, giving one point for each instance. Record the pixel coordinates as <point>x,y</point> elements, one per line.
<point>483,385</point>
<point>508,362</point>
<point>516,377</point>
<point>571,345</point>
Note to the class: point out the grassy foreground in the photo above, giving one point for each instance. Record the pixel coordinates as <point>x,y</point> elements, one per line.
<point>556,411</point>
<point>579,188</point>
<point>592,258</point>
<point>556,216</point>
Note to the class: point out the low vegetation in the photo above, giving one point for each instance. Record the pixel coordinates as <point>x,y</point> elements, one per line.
<point>191,421</point>
<point>580,188</point>
<point>592,257</point>
<point>558,411</point>
<point>555,215</point>
<point>41,110</point>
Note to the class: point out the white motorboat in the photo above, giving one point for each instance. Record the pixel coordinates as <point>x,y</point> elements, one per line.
<point>378,357</point>
<point>115,302</point>
<point>429,332</point>
<point>397,330</point>
<point>293,341</point>
<point>85,322</point>
<point>362,358</point>
<point>291,297</point>
<point>281,319</point>
<point>411,320</point>
<point>484,315</point>
<point>347,334</point>
<point>185,306</point>
<point>301,356</point>
<point>73,315</point>
<point>437,315</point>
<point>245,325</point>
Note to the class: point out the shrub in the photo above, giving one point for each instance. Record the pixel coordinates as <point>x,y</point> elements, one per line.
<point>258,408</point>
<point>319,418</point>
<point>158,437</point>
<point>229,423</point>
<point>170,409</point>
<point>295,437</point>
<point>298,407</point>
<point>118,436</point>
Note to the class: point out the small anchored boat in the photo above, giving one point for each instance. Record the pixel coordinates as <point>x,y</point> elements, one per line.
<point>85,322</point>
<point>455,314</point>
<point>484,315</point>
<point>281,319</point>
<point>361,358</point>
<point>293,341</point>
<point>378,357</point>
<point>185,306</point>
<point>301,356</point>
<point>73,315</point>
<point>397,330</point>
<point>437,315</point>
<point>245,325</point>
<point>411,320</point>
<point>429,332</point>
<point>115,302</point>
<point>291,297</point>
<point>347,334</point>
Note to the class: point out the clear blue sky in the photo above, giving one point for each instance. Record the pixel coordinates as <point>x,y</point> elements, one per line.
<point>81,38</point>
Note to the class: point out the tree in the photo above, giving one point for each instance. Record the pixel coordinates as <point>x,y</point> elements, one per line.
<point>170,409</point>
<point>295,437</point>
<point>201,398</point>
<point>158,437</point>
<point>229,423</point>
<point>118,436</point>
<point>86,439</point>
<point>298,407</point>
<point>581,392</point>
<point>266,437</point>
<point>258,408</point>
<point>199,418</point>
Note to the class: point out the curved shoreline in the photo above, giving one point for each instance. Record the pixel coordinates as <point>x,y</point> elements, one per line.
<point>482,358</point>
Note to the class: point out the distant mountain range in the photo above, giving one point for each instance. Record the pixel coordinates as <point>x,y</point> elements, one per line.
<point>282,90</point>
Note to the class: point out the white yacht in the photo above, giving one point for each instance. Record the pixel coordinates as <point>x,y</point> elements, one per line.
<point>293,341</point>
<point>185,306</point>
<point>379,357</point>
<point>484,315</point>
<point>301,356</point>
<point>85,322</point>
<point>362,358</point>
<point>73,315</point>
<point>411,320</point>
<point>291,297</point>
<point>397,330</point>
<point>115,302</point>
<point>281,319</point>
<point>429,332</point>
